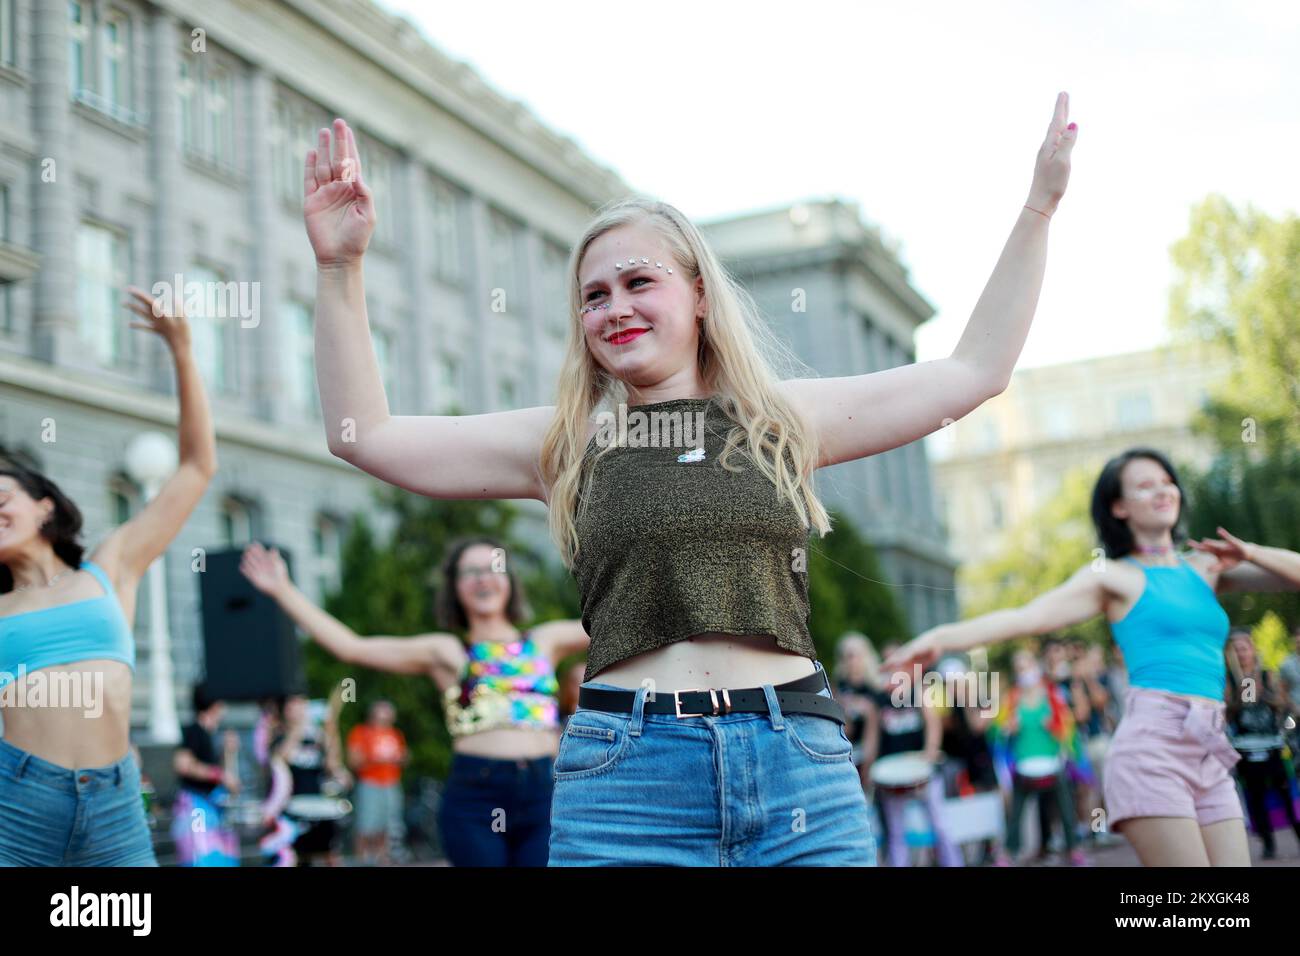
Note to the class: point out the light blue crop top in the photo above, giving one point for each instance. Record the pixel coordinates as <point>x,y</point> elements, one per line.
<point>1173,637</point>
<point>90,629</point>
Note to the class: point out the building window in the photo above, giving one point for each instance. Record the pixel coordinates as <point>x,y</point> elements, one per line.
<point>1133,410</point>
<point>78,46</point>
<point>216,109</point>
<point>293,131</point>
<point>447,384</point>
<point>123,499</point>
<point>101,276</point>
<point>7,32</point>
<point>210,328</point>
<point>99,58</point>
<point>114,84</point>
<point>206,93</point>
<point>446,231</point>
<point>240,521</point>
<point>555,289</point>
<point>502,260</point>
<point>327,552</point>
<point>302,365</point>
<point>377,166</point>
<point>186,94</point>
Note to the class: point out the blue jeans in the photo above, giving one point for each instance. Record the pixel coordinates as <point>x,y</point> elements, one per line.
<point>53,816</point>
<point>496,812</point>
<point>761,789</point>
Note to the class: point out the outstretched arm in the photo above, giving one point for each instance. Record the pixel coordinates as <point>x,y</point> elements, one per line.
<point>134,545</point>
<point>398,655</point>
<point>1078,599</point>
<point>919,399</point>
<point>442,456</point>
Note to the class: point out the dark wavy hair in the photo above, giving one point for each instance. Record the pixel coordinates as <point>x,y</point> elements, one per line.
<point>61,530</point>
<point>1116,538</point>
<point>448,610</point>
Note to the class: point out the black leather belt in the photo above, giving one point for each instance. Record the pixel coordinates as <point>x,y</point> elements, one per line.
<point>796,697</point>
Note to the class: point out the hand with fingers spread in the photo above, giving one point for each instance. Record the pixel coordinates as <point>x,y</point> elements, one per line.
<point>170,326</point>
<point>1231,551</point>
<point>1052,167</point>
<point>265,569</point>
<point>338,206</point>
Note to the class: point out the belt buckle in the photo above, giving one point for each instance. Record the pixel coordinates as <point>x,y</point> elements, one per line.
<point>713,697</point>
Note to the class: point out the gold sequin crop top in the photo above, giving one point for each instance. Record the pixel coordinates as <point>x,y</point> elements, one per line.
<point>671,544</point>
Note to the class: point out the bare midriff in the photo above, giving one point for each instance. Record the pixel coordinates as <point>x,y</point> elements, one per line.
<point>79,734</point>
<point>710,660</point>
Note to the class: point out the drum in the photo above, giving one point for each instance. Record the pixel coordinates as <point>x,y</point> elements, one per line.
<point>316,807</point>
<point>1038,773</point>
<point>899,774</point>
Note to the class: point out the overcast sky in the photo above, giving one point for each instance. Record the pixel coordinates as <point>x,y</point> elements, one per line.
<point>928,114</point>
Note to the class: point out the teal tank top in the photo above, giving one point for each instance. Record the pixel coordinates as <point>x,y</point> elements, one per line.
<point>90,629</point>
<point>1173,637</point>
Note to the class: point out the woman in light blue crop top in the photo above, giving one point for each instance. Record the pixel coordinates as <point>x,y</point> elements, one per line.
<point>498,686</point>
<point>69,788</point>
<point>1167,778</point>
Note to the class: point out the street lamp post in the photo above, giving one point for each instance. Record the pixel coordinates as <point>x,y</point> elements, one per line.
<point>150,459</point>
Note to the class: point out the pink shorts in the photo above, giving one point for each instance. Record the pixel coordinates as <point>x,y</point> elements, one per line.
<point>1170,758</point>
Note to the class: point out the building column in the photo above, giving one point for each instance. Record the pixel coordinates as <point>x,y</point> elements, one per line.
<point>419,326</point>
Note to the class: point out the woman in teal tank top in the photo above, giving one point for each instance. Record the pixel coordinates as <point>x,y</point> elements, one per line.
<point>498,687</point>
<point>69,788</point>
<point>1168,782</point>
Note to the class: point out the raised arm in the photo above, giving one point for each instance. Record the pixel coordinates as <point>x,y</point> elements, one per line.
<point>442,456</point>
<point>130,548</point>
<point>1078,599</point>
<point>398,655</point>
<point>859,415</point>
<point>1243,566</point>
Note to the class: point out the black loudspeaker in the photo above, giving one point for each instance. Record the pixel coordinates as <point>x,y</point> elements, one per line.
<point>250,645</point>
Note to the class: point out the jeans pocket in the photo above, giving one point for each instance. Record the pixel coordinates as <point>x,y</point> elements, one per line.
<point>819,737</point>
<point>593,741</point>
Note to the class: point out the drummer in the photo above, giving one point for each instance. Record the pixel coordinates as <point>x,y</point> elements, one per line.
<point>907,725</point>
<point>310,749</point>
<point>1038,726</point>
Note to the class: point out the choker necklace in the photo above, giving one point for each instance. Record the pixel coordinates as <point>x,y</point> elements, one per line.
<point>49,583</point>
<point>1162,549</point>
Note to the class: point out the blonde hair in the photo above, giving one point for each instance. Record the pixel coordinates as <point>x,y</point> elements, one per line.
<point>870,656</point>
<point>737,359</point>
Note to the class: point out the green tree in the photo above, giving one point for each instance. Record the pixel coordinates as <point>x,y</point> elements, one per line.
<point>847,590</point>
<point>1237,288</point>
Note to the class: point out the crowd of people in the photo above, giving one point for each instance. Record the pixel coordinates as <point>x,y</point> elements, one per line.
<point>1040,733</point>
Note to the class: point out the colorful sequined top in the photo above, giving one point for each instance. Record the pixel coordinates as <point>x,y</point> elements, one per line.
<point>504,684</point>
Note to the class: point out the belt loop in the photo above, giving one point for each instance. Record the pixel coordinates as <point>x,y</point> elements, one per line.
<point>21,766</point>
<point>773,708</point>
<point>638,709</point>
<point>826,680</point>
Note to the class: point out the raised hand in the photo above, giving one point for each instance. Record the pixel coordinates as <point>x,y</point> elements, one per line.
<point>265,569</point>
<point>1230,551</point>
<point>337,206</point>
<point>1052,167</point>
<point>173,329</point>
